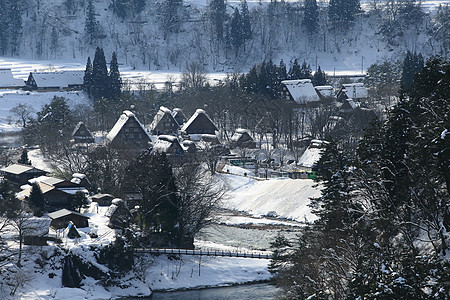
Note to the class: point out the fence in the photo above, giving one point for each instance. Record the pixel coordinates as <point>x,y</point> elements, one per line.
<point>203,252</point>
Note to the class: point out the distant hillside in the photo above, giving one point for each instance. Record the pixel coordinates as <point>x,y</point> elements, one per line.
<point>167,34</point>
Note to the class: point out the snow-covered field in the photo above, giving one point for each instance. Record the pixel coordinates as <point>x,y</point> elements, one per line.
<point>21,68</point>
<point>284,198</point>
<point>36,100</point>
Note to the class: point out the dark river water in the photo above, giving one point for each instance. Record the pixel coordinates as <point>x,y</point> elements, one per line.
<point>260,291</point>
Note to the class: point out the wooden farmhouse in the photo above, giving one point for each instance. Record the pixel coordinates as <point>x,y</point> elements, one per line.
<point>325,92</point>
<point>347,106</point>
<point>168,144</point>
<point>58,193</point>
<point>81,134</point>
<point>242,139</point>
<point>54,198</point>
<point>7,80</point>
<point>102,199</point>
<point>18,174</point>
<point>189,146</point>
<point>118,214</point>
<point>62,218</point>
<point>164,122</point>
<point>355,91</point>
<point>62,80</point>
<point>128,133</point>
<point>301,91</point>
<point>199,123</point>
<point>179,116</point>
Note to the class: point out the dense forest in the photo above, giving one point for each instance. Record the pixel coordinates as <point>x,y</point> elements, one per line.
<point>384,210</point>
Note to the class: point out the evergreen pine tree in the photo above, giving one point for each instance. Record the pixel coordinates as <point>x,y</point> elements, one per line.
<point>246,25</point>
<point>36,200</point>
<point>24,158</point>
<point>90,26</point>
<point>4,24</point>
<point>342,13</point>
<point>236,33</point>
<point>15,26</point>
<point>88,79</point>
<point>335,207</point>
<point>305,71</point>
<point>295,71</point>
<point>412,65</point>
<point>99,75</point>
<point>218,11</point>
<point>78,200</point>
<point>282,72</point>
<point>319,78</point>
<point>311,17</point>
<point>115,82</point>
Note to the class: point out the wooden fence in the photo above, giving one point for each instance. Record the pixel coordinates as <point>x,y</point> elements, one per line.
<point>203,252</point>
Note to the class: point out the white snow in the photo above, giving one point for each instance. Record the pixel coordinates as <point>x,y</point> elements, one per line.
<point>288,198</point>
<point>62,79</point>
<point>7,79</point>
<point>355,90</point>
<point>35,100</point>
<point>302,91</point>
<point>310,157</point>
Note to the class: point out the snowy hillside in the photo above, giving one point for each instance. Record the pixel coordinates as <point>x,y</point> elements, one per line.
<point>55,30</point>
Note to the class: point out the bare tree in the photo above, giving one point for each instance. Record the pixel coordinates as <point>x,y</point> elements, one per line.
<point>193,77</point>
<point>200,194</point>
<point>22,112</point>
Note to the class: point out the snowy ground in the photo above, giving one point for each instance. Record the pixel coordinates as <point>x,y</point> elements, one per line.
<point>283,197</point>
<point>36,100</point>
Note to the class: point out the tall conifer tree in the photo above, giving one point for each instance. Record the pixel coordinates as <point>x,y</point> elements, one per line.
<point>99,75</point>
<point>311,17</point>
<point>90,26</point>
<point>87,79</point>
<point>115,82</point>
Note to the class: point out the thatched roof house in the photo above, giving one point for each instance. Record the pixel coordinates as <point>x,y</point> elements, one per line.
<point>199,123</point>
<point>164,122</point>
<point>128,133</point>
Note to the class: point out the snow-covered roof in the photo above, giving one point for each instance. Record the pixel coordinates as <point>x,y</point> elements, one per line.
<point>126,115</point>
<point>35,226</point>
<point>80,124</point>
<point>43,186</point>
<point>61,79</point>
<point>348,104</point>
<point>46,179</point>
<point>325,90</point>
<point>302,91</point>
<point>17,169</point>
<point>169,138</point>
<point>197,114</point>
<point>7,79</point>
<point>310,157</point>
<point>162,146</point>
<point>64,212</point>
<point>355,90</point>
<point>163,111</point>
<point>77,178</point>
<point>239,133</point>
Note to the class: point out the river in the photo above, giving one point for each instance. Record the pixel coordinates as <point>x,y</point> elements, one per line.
<point>260,291</point>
